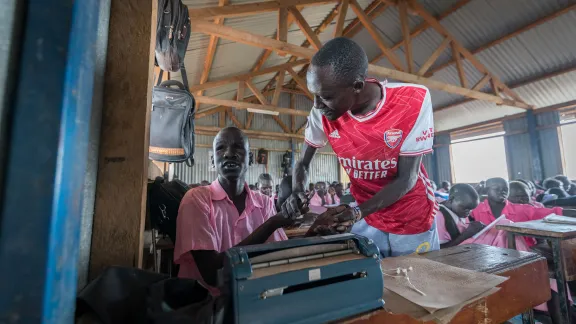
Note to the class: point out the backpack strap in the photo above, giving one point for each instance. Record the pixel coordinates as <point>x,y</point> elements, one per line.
<point>184,76</point>
<point>449,222</point>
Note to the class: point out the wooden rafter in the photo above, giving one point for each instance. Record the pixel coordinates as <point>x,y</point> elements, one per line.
<point>301,83</point>
<point>481,83</point>
<point>281,124</point>
<point>246,76</point>
<point>515,33</point>
<point>466,53</point>
<point>246,105</point>
<point>247,9</point>
<point>369,26</point>
<point>211,51</point>
<point>278,90</point>
<point>282,30</point>
<point>241,90</point>
<point>209,111</point>
<point>249,120</point>
<point>233,118</point>
<point>403,11</point>
<point>342,11</point>
<point>323,25</point>
<point>222,119</point>
<point>292,118</point>
<point>256,92</point>
<point>249,132</point>
<point>424,26</point>
<point>434,56</point>
<point>373,10</point>
<point>305,27</point>
<point>459,67</point>
<point>264,42</point>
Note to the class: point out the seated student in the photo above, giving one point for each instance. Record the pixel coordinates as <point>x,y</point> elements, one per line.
<point>332,197</point>
<point>552,183</point>
<point>320,197</point>
<point>497,204</point>
<point>214,218</point>
<point>454,226</point>
<point>265,184</point>
<point>566,183</point>
<point>445,187</point>
<point>520,194</point>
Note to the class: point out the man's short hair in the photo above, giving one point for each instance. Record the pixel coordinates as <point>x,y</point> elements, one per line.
<point>460,190</point>
<point>347,59</point>
<point>518,185</point>
<point>493,181</point>
<point>264,177</point>
<point>552,183</point>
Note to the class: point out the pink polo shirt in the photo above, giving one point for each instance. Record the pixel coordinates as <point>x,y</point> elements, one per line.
<point>443,235</point>
<point>208,220</point>
<point>316,200</point>
<point>515,213</point>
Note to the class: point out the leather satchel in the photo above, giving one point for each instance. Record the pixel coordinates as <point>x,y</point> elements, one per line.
<point>172,121</point>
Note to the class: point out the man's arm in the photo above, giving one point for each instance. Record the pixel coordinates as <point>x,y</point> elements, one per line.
<point>209,262</point>
<point>302,169</point>
<point>408,167</point>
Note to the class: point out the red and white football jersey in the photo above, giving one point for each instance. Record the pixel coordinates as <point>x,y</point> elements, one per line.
<point>368,148</point>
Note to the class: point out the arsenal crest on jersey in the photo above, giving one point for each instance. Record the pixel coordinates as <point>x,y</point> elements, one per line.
<point>392,137</point>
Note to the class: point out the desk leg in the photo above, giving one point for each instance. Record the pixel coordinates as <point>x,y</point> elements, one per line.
<point>511,240</point>
<point>560,279</point>
<point>528,317</point>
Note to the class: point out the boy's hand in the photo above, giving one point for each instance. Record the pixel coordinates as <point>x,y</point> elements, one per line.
<point>473,228</point>
<point>332,221</point>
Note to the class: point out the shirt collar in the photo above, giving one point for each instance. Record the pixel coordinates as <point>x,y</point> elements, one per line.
<point>379,105</point>
<point>218,193</point>
<point>485,208</point>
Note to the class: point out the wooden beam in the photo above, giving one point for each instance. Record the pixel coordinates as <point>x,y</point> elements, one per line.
<point>342,11</point>
<point>367,22</point>
<point>305,28</point>
<point>323,25</point>
<point>251,132</point>
<point>481,83</point>
<point>465,52</point>
<point>233,118</point>
<point>241,90</point>
<point>246,105</point>
<point>293,91</point>
<point>300,83</point>
<point>264,42</point>
<point>222,119</point>
<point>246,9</point>
<point>211,51</point>
<point>403,11</point>
<point>495,87</point>
<point>209,111</point>
<point>120,202</point>
<point>281,124</point>
<point>250,39</point>
<point>424,26</point>
<point>292,118</point>
<point>374,9</point>
<point>282,30</point>
<point>256,92</point>
<point>278,89</point>
<point>459,67</point>
<point>538,78</point>
<point>434,56</point>
<point>249,120</point>
<point>245,76</point>
<point>302,127</point>
<point>513,34</point>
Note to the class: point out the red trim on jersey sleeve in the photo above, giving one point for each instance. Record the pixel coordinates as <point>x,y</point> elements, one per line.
<point>422,152</point>
<point>312,144</point>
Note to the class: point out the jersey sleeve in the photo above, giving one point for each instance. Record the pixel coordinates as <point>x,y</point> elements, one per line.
<point>314,134</point>
<point>420,139</point>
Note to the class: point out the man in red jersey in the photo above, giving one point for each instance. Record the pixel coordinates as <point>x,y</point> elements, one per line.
<point>379,131</point>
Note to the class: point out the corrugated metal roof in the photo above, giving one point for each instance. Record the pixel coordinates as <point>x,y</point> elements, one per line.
<point>548,47</point>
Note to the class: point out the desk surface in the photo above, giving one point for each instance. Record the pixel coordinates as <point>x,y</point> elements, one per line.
<point>541,228</point>
<point>527,286</point>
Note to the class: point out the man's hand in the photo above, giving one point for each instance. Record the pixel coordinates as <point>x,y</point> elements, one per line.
<point>473,228</point>
<point>333,221</point>
<point>292,209</point>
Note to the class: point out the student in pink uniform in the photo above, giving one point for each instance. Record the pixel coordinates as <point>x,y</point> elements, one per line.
<point>497,204</point>
<point>224,214</point>
<point>321,197</point>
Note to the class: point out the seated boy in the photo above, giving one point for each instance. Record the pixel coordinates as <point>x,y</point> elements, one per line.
<point>454,226</point>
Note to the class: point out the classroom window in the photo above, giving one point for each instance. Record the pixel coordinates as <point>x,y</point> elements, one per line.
<point>569,149</point>
<point>477,158</point>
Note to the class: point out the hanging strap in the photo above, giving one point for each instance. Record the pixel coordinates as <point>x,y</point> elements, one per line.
<point>159,77</point>
<point>183,74</point>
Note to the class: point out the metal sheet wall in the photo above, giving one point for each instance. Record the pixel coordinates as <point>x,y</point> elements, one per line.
<point>518,152</point>
<point>549,141</point>
<point>443,158</point>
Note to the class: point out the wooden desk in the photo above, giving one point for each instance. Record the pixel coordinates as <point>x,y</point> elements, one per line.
<point>555,233</point>
<point>527,286</point>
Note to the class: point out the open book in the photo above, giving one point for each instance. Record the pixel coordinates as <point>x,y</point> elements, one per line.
<point>488,227</point>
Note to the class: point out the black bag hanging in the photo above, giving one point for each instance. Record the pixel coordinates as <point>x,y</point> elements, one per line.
<point>172,121</point>
<point>172,34</point>
<point>163,202</point>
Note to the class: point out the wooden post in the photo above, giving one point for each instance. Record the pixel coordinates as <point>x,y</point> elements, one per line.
<point>120,208</point>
